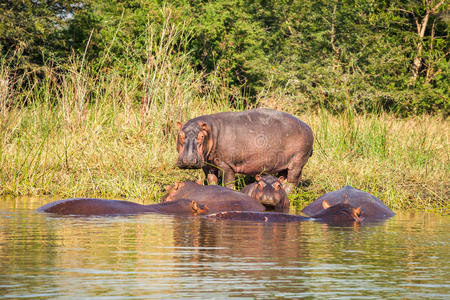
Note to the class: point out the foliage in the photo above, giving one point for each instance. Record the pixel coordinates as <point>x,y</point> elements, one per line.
<point>369,55</point>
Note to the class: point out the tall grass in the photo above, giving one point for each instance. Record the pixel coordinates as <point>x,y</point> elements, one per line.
<point>81,132</point>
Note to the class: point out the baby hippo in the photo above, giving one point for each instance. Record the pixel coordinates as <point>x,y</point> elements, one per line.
<point>269,191</point>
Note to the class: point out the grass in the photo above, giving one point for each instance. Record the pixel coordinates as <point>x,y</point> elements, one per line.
<point>111,152</point>
<point>80,132</point>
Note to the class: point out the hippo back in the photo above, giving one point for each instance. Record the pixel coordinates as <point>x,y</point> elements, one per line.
<point>216,198</point>
<point>98,207</point>
<point>371,206</point>
<point>91,206</point>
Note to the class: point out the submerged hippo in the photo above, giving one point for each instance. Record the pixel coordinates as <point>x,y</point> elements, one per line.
<point>217,198</point>
<point>371,206</point>
<point>269,191</point>
<point>93,206</point>
<point>182,199</point>
<point>339,214</point>
<point>248,142</point>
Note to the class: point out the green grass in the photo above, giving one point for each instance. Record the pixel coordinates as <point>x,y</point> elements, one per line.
<point>112,152</point>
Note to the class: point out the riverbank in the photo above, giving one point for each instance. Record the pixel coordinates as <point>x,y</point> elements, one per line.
<point>115,149</point>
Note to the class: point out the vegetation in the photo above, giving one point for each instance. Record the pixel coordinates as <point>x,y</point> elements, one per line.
<point>90,91</point>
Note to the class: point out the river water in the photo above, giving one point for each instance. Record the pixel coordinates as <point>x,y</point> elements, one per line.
<point>166,257</point>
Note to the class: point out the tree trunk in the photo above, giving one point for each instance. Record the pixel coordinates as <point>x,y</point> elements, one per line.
<point>421,27</point>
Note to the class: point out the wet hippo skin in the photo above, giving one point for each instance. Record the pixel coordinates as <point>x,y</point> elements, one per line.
<point>340,214</point>
<point>182,198</point>
<point>269,191</point>
<point>217,198</point>
<point>248,142</point>
<point>372,208</point>
<point>93,206</point>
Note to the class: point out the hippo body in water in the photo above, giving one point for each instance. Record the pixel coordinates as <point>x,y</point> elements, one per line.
<point>182,199</point>
<point>93,206</point>
<point>372,208</point>
<point>217,198</point>
<point>248,142</point>
<point>340,214</point>
<point>269,191</point>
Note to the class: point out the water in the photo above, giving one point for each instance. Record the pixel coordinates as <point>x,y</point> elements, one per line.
<point>157,256</point>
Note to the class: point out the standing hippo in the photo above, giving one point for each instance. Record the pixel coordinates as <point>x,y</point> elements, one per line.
<point>339,214</point>
<point>93,206</point>
<point>216,198</point>
<point>248,142</point>
<point>269,191</point>
<point>371,207</point>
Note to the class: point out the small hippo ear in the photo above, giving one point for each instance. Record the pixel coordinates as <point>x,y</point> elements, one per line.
<point>357,211</point>
<point>281,179</point>
<point>325,204</point>
<point>258,177</point>
<point>261,185</point>
<point>169,187</point>
<point>179,125</point>
<point>194,206</point>
<point>199,181</point>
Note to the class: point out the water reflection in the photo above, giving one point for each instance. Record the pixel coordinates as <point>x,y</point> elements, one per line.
<point>162,256</point>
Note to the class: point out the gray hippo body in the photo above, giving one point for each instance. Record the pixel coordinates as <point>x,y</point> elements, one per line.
<point>248,142</point>
<point>94,206</point>
<point>339,214</point>
<point>185,198</point>
<point>217,198</point>
<point>269,191</point>
<point>372,208</point>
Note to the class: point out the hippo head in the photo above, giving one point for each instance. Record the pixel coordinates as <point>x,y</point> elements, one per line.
<point>194,144</point>
<point>171,191</point>
<point>269,191</point>
<point>339,213</point>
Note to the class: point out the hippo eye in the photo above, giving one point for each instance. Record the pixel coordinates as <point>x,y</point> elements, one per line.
<point>277,186</point>
<point>200,136</point>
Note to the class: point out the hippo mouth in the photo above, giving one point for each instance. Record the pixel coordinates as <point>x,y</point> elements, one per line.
<point>269,206</point>
<point>187,165</point>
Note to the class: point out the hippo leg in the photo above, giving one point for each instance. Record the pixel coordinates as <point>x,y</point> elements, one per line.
<point>293,179</point>
<point>229,177</point>
<point>294,173</point>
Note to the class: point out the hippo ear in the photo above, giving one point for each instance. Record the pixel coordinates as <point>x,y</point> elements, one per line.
<point>260,185</point>
<point>258,177</point>
<point>169,187</point>
<point>325,204</point>
<point>357,211</point>
<point>179,125</point>
<point>199,181</point>
<point>281,179</point>
<point>194,206</point>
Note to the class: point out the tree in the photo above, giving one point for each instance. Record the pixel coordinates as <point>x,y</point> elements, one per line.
<point>31,27</point>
